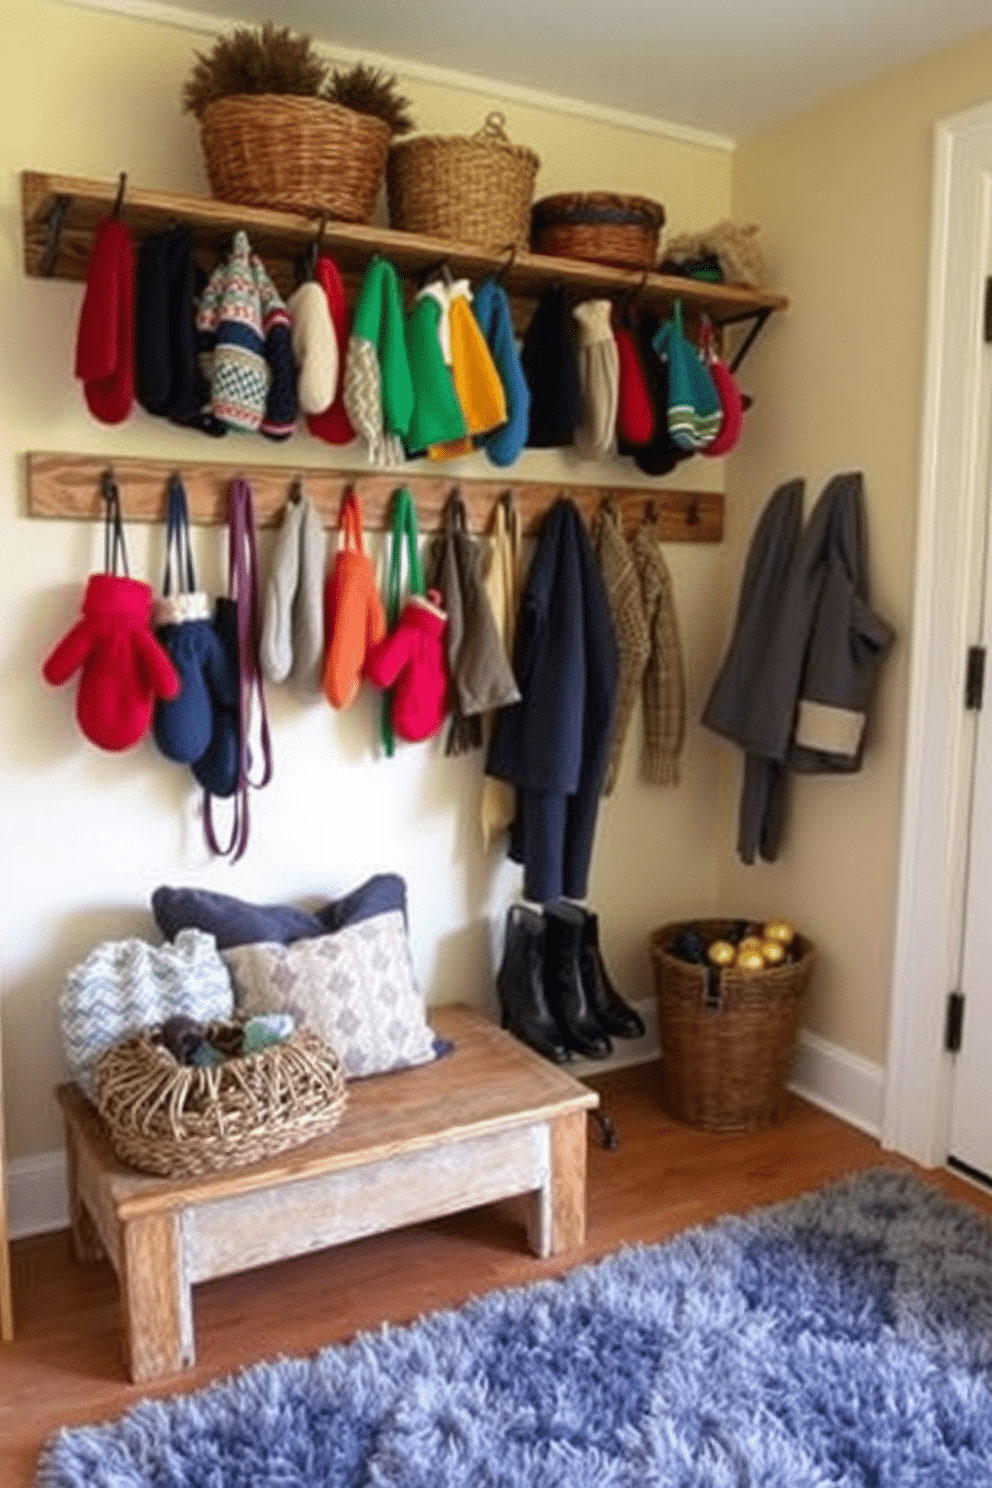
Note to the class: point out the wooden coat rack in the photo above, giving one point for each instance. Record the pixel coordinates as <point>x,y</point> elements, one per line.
<point>68,486</point>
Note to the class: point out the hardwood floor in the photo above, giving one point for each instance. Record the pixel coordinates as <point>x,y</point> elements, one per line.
<point>64,1366</point>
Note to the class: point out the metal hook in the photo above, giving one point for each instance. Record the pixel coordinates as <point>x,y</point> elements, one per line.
<point>119,199</point>
<point>430,270</point>
<point>650,512</point>
<point>54,224</point>
<point>505,270</point>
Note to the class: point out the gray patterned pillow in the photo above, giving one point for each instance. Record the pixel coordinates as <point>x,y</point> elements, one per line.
<point>356,988</point>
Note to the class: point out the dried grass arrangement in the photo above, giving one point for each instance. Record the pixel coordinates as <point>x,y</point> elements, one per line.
<point>248,62</point>
<point>368,90</point>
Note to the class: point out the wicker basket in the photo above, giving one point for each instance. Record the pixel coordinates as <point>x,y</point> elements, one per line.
<point>603,226</point>
<point>728,1035</point>
<point>294,154</point>
<point>469,189</point>
<point>176,1119</point>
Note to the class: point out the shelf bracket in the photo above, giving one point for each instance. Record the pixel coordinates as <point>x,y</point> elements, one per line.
<point>54,223</point>
<point>758,319</point>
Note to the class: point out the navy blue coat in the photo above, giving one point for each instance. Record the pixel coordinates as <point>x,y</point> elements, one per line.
<point>554,744</point>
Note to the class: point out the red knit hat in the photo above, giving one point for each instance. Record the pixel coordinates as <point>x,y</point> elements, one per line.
<point>105,336</point>
<point>635,413</point>
<point>333,424</point>
<point>732,404</point>
<point>731,401</point>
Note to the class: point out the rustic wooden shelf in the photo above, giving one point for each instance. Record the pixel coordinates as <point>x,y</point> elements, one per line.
<point>67,485</point>
<point>75,204</point>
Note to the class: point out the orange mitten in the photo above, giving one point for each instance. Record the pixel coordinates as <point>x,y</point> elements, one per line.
<point>353,613</point>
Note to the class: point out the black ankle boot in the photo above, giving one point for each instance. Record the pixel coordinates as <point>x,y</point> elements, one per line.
<point>520,984</point>
<point>563,983</point>
<point>615,1016</point>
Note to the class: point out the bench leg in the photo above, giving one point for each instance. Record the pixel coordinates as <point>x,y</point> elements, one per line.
<point>557,1219</point>
<point>155,1297</point>
<point>85,1238</point>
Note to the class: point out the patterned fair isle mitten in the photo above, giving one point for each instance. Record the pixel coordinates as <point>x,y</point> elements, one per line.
<point>363,398</point>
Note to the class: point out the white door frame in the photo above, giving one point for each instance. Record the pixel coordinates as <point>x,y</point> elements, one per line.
<point>950,545</point>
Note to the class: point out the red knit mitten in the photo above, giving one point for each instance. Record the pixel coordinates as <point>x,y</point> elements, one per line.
<point>413,659</point>
<point>105,336</point>
<point>124,669</point>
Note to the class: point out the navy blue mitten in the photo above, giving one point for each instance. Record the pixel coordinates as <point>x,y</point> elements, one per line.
<point>183,726</point>
<point>218,768</point>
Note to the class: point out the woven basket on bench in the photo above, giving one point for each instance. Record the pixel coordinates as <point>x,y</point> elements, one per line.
<point>175,1119</point>
<point>728,1035</point>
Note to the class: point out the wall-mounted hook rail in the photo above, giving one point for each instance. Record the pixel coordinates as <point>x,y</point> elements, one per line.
<point>68,486</point>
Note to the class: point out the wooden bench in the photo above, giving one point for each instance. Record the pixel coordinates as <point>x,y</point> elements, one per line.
<point>489,1120</point>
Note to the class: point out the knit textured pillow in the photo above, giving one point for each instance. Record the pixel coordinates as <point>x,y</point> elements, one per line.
<point>126,985</point>
<point>356,988</point>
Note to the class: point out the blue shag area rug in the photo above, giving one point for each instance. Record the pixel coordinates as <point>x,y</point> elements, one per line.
<point>841,1339</point>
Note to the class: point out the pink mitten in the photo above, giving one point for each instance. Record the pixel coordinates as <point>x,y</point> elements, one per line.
<point>413,659</point>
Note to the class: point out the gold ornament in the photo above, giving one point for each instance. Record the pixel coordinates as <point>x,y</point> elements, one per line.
<point>750,943</point>
<point>722,953</point>
<point>750,960</point>
<point>780,930</point>
<point>773,952</point>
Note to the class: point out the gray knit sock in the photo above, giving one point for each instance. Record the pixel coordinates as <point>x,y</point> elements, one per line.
<point>276,646</point>
<point>308,606</point>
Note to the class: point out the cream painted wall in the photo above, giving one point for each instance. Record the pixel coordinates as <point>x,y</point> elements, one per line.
<point>85,836</point>
<point>844,196</point>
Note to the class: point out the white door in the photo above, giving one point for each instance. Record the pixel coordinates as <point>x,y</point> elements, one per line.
<point>939,1104</point>
<point>971,1101</point>
<point>970,1143</point>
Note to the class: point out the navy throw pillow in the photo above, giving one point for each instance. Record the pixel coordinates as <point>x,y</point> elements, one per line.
<point>237,922</point>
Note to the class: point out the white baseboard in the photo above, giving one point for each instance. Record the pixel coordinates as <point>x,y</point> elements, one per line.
<point>37,1194</point>
<point>825,1074</point>
<point>837,1081</point>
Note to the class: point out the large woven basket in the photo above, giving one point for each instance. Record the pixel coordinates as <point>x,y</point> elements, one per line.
<point>603,226</point>
<point>294,154</point>
<point>728,1035</point>
<point>466,188</point>
<point>175,1119</point>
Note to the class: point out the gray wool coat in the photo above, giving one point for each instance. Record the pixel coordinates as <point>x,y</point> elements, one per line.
<point>795,686</point>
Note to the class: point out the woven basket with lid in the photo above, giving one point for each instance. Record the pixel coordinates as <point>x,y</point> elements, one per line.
<point>728,1036</point>
<point>602,226</point>
<point>179,1120</point>
<point>464,188</point>
<point>294,154</point>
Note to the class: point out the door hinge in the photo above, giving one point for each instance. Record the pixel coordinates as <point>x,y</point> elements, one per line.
<point>988,311</point>
<point>974,684</point>
<point>954,1022</point>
